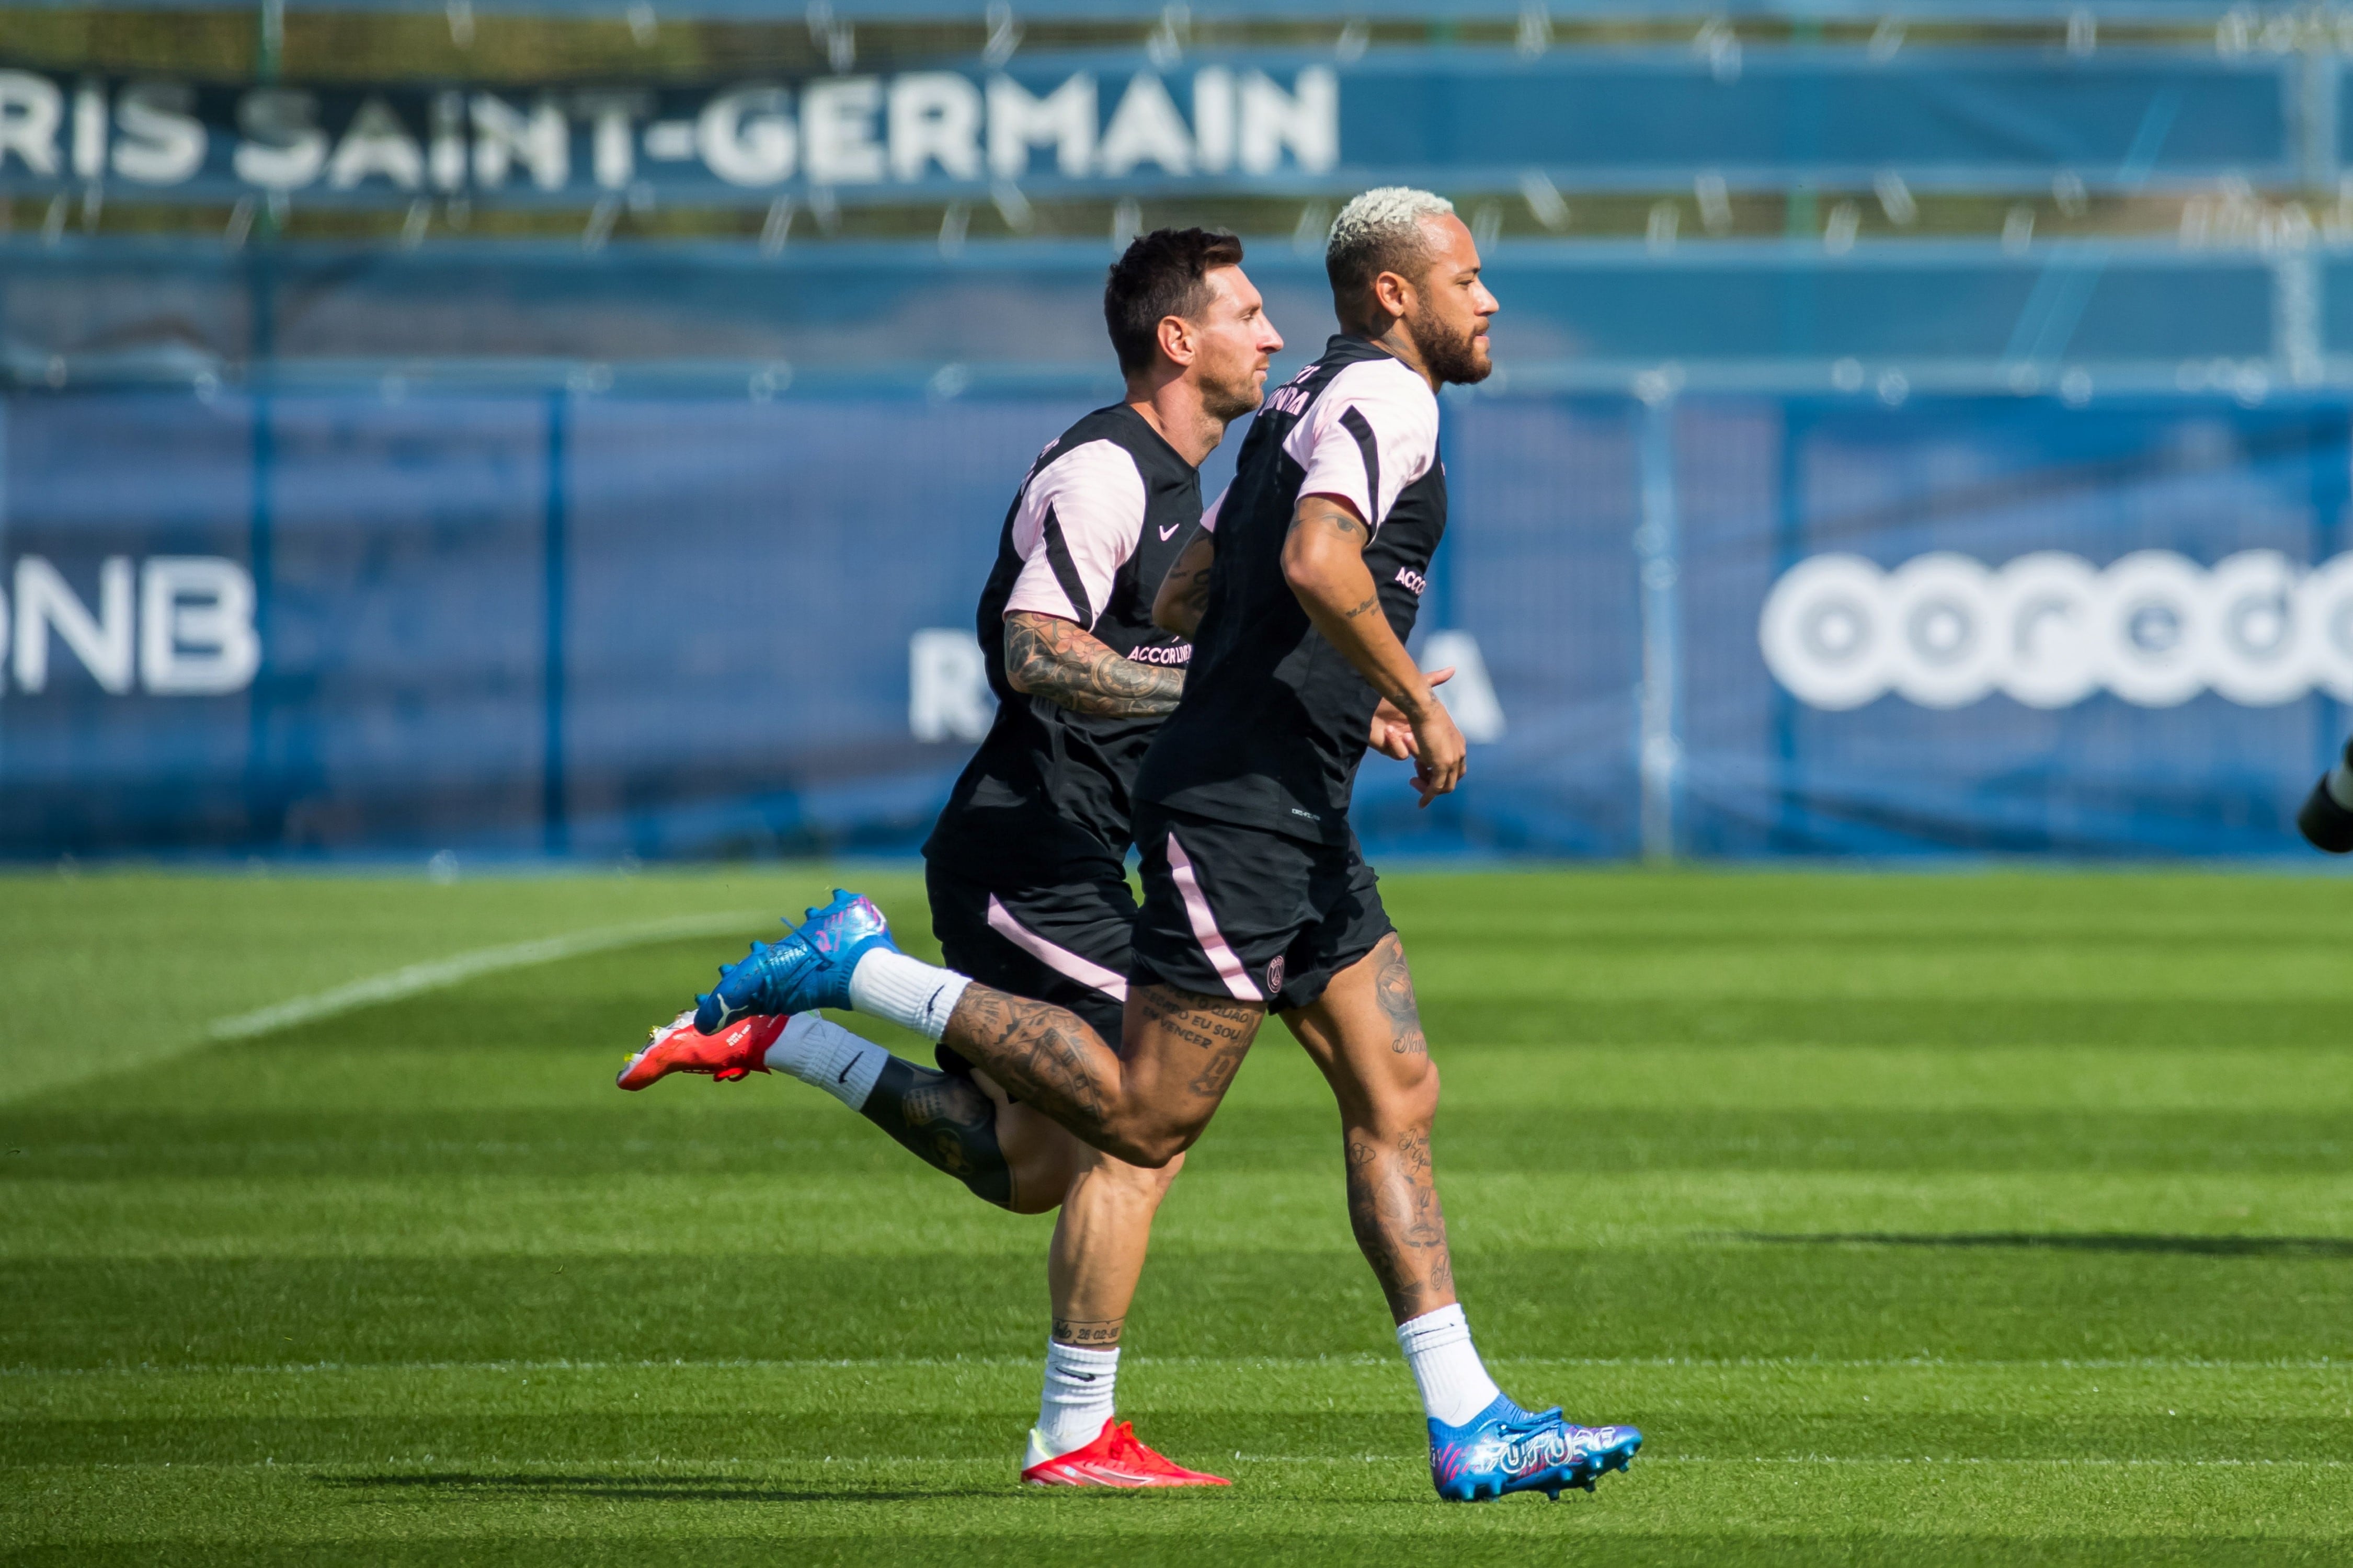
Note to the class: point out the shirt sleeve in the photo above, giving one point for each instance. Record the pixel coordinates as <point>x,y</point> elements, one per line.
<point>1210,518</point>
<point>1372,432</point>
<point>1077,526</point>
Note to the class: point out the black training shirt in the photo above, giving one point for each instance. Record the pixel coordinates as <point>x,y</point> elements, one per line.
<point>1102,515</point>
<point>1274,718</point>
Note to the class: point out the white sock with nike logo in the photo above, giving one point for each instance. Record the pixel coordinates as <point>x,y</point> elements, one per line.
<point>1078,1399</point>
<point>1446,1367</point>
<point>817,1051</point>
<point>906,990</point>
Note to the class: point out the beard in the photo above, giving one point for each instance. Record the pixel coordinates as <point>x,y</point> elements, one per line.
<point>1453,357</point>
<point>1228,400</point>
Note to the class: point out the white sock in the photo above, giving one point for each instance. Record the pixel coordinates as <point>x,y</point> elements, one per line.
<point>906,990</point>
<point>1454,1383</point>
<point>1077,1398</point>
<point>2340,781</point>
<point>817,1051</point>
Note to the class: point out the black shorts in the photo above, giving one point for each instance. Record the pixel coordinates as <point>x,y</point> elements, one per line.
<point>1067,944</point>
<point>1241,912</point>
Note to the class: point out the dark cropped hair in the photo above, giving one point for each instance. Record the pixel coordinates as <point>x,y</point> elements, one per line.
<point>1162,274</point>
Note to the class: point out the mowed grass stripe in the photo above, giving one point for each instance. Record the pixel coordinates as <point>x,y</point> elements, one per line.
<point>1836,1301</point>
<point>605,1141</point>
<point>2225,1216</point>
<point>1918,1220</point>
<point>862,1512</point>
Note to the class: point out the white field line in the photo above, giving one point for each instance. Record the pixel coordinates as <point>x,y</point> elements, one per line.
<point>438,974</point>
<point>1270,1364</point>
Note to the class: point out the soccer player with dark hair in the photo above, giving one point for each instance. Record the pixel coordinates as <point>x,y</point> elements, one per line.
<point>1255,896</point>
<point>1027,867</point>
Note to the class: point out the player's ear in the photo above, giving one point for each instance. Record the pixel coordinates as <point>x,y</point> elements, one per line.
<point>1393,294</point>
<point>1177,341</point>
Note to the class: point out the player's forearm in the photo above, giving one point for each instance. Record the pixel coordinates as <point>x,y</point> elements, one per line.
<point>1328,575</point>
<point>1184,591</point>
<point>1048,657</point>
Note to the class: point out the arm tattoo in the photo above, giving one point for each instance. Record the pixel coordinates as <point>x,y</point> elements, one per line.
<point>1051,658</point>
<point>1393,988</point>
<point>1317,509</point>
<point>1366,608</point>
<point>1188,595</point>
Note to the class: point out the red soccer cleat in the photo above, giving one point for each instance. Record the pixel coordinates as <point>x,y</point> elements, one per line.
<point>739,1048</point>
<point>1113,1459</point>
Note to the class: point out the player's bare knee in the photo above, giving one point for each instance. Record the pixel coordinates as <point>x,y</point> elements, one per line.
<point>1408,1102</point>
<point>1157,1142</point>
<point>1154,1179</point>
<point>1133,1140</point>
<point>1142,1183</point>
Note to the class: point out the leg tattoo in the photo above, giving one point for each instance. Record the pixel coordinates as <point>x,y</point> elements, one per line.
<point>1099,1336</point>
<point>1223,1028</point>
<point>1393,1209</point>
<point>1043,1054</point>
<point>1393,988</point>
<point>945,1120</point>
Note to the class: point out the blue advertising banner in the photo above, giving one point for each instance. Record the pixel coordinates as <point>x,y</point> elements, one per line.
<point>1116,124</point>
<point>2121,629</point>
<point>570,624</point>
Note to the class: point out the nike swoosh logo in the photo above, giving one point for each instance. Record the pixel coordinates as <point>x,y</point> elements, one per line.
<point>1169,529</point>
<point>845,1072</point>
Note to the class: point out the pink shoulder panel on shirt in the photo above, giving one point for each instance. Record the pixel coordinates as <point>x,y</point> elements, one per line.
<point>1372,432</point>
<point>1210,518</point>
<point>1075,528</point>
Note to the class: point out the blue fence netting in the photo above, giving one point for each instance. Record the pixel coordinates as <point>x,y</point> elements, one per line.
<point>1023,316</point>
<point>320,624</point>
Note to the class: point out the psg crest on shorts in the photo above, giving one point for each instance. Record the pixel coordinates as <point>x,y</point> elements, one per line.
<point>1275,975</point>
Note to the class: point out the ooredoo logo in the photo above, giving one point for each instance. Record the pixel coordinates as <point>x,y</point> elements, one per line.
<point>2050,629</point>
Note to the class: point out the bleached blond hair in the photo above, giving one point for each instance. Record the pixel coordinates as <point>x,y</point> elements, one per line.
<point>1380,231</point>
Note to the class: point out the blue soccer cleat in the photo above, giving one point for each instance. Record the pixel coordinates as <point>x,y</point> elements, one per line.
<point>1505,1449</point>
<point>809,969</point>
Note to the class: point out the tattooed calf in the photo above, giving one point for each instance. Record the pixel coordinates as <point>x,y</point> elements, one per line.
<point>1399,1226</point>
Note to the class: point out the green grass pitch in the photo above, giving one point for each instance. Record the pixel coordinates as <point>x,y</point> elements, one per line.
<point>1989,1219</point>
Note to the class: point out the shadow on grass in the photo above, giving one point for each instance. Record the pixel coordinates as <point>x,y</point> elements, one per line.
<point>639,1488</point>
<point>2098,1241</point>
